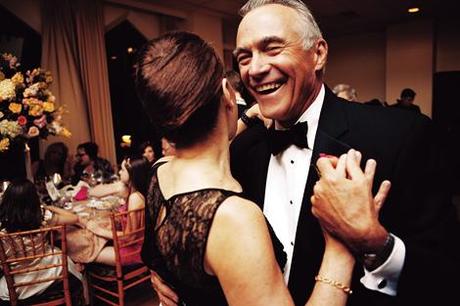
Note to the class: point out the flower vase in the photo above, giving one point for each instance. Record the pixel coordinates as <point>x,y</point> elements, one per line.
<point>28,163</point>
<point>12,162</point>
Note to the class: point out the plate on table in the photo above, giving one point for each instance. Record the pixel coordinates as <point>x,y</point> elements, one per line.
<point>98,204</point>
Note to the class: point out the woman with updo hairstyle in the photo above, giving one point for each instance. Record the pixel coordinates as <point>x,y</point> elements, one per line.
<point>202,238</point>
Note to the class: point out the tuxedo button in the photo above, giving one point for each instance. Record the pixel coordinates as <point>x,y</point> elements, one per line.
<point>382,284</point>
<point>292,243</point>
<point>292,161</point>
<point>290,202</point>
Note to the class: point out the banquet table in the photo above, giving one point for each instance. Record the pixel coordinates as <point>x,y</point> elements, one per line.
<point>83,244</point>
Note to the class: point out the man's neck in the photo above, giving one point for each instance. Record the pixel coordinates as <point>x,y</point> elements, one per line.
<point>308,102</point>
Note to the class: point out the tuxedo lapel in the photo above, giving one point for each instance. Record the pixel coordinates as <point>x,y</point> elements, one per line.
<point>309,244</point>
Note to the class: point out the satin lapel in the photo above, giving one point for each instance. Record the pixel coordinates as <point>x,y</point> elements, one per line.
<point>259,156</point>
<point>309,244</point>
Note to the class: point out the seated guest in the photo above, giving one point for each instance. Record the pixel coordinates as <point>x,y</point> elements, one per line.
<point>89,164</point>
<point>55,161</point>
<point>133,174</point>
<point>20,210</point>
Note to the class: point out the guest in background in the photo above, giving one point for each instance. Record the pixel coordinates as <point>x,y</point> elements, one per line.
<point>346,92</point>
<point>134,177</point>
<point>20,210</point>
<point>56,160</point>
<point>89,164</point>
<point>167,148</point>
<point>241,93</point>
<point>146,150</point>
<point>375,102</point>
<point>406,101</point>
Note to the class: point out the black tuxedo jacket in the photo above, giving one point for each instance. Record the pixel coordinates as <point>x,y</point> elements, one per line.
<point>418,209</point>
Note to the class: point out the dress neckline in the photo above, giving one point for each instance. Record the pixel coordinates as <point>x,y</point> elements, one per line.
<point>190,191</point>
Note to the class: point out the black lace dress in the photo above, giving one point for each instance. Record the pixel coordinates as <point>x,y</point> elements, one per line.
<point>175,245</point>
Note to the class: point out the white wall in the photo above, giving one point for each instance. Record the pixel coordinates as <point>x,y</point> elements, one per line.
<point>26,10</point>
<point>409,62</point>
<point>209,27</point>
<point>360,62</point>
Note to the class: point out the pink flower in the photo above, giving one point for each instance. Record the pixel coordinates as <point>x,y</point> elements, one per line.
<point>22,120</point>
<point>40,122</point>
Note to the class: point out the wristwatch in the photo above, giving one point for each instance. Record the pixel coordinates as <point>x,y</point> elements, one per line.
<point>372,261</point>
<point>249,121</point>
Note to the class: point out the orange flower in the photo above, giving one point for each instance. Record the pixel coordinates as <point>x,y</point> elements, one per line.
<point>48,107</point>
<point>4,144</point>
<point>15,108</point>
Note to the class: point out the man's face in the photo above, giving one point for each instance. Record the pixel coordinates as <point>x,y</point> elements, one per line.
<point>279,73</point>
<point>82,157</point>
<point>407,101</point>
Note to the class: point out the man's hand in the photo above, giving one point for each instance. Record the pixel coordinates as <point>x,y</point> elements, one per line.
<point>165,294</point>
<point>344,204</point>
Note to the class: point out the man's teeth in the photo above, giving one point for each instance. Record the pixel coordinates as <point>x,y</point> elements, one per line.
<point>266,87</point>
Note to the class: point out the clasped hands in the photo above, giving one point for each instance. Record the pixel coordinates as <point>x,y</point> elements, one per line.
<point>342,201</point>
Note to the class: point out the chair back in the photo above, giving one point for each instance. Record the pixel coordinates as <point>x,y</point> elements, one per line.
<point>129,271</point>
<point>32,254</point>
<point>128,235</point>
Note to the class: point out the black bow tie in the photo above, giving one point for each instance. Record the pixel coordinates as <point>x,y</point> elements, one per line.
<point>279,140</point>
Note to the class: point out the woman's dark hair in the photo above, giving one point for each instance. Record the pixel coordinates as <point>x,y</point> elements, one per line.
<point>55,158</point>
<point>179,80</point>
<point>138,170</point>
<point>144,146</point>
<point>20,207</point>
<point>90,148</point>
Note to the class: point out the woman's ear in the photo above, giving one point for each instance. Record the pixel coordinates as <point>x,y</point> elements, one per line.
<point>229,93</point>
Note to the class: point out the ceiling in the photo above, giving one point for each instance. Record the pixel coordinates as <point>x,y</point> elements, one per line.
<point>338,17</point>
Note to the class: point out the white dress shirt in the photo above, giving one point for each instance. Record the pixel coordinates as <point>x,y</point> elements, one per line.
<point>286,180</point>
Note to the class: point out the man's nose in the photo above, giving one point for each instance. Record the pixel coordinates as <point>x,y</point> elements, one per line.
<point>258,67</point>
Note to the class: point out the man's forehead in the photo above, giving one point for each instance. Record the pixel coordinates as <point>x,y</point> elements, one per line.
<point>271,20</point>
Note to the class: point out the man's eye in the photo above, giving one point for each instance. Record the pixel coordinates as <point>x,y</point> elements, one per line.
<point>273,49</point>
<point>243,59</point>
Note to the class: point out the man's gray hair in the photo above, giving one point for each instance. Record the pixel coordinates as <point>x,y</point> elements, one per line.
<point>309,29</point>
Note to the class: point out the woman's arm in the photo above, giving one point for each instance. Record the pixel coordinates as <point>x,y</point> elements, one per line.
<point>240,253</point>
<point>135,201</point>
<point>61,216</point>
<point>102,190</point>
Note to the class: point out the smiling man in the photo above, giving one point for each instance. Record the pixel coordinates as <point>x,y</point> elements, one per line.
<point>281,56</point>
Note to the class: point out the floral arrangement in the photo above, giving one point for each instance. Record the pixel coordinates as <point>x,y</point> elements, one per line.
<point>27,106</point>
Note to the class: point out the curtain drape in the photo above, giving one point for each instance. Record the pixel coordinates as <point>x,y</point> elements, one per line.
<point>74,51</point>
<point>59,55</point>
<point>89,23</point>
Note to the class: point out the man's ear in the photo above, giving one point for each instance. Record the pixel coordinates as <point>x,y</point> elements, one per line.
<point>229,93</point>
<point>321,54</point>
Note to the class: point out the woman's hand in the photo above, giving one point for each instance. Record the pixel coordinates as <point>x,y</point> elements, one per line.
<point>254,112</point>
<point>344,204</point>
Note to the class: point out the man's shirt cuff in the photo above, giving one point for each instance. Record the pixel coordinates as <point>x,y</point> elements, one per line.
<point>385,278</point>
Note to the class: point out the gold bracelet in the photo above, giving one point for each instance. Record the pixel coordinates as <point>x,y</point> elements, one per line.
<point>333,283</point>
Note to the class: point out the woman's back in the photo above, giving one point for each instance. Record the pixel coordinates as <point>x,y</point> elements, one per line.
<point>177,249</point>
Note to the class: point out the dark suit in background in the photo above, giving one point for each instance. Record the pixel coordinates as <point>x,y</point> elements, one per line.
<point>418,209</point>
